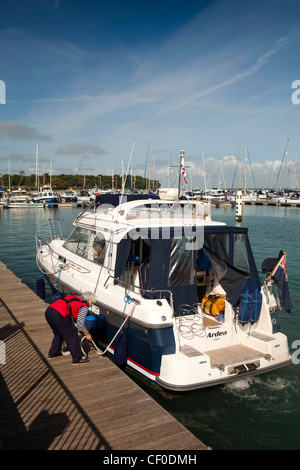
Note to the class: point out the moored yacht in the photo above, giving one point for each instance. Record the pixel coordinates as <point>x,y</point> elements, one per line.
<point>20,199</point>
<point>179,299</point>
<point>84,196</point>
<point>2,199</point>
<point>46,195</point>
<point>68,196</point>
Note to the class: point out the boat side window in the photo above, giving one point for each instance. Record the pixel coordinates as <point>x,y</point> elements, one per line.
<point>77,241</point>
<point>231,248</point>
<point>181,263</point>
<point>218,254</point>
<point>99,248</point>
<point>240,253</point>
<point>87,243</point>
<point>219,244</point>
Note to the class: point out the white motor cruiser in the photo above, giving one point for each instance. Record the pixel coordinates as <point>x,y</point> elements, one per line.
<point>179,298</point>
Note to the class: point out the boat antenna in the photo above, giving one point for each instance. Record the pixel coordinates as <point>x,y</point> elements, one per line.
<point>179,176</point>
<point>181,170</point>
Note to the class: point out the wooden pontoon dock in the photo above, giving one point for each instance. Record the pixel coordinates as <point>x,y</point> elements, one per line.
<point>49,404</point>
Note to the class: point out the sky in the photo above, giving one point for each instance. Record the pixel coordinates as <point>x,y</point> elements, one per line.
<point>96,82</point>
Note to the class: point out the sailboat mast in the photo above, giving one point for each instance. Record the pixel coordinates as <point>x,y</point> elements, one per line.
<point>245,169</point>
<point>204,173</point>
<point>84,172</point>
<point>8,174</point>
<point>36,168</point>
<point>286,163</point>
<point>148,185</point>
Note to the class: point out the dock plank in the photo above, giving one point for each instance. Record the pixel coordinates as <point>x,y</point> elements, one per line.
<point>51,404</point>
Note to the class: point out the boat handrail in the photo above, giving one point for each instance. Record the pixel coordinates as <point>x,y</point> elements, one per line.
<point>59,221</point>
<point>123,211</point>
<point>142,290</point>
<point>91,204</point>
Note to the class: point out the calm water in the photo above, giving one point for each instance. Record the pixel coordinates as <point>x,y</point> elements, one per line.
<point>254,413</point>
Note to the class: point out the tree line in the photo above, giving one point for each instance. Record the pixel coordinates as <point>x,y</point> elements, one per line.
<point>63,182</point>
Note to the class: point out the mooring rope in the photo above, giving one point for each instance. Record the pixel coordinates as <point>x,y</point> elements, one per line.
<point>127,300</point>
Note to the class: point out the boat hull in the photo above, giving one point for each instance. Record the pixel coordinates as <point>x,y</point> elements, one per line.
<point>48,200</point>
<point>212,382</point>
<point>145,347</point>
<point>16,205</point>
<point>152,352</point>
<point>191,369</point>
<point>146,344</point>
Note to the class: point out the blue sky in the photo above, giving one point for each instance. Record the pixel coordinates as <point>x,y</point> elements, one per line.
<point>100,78</point>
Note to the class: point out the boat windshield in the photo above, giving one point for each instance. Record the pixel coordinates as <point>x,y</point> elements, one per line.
<point>87,244</point>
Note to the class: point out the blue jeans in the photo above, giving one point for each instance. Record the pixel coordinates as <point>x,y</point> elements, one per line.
<point>63,329</point>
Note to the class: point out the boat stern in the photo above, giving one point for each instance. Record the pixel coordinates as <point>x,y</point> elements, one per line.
<point>190,369</point>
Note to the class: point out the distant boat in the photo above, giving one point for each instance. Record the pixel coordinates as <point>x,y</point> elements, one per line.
<point>247,196</point>
<point>206,195</point>
<point>290,199</point>
<point>21,199</point>
<point>217,194</point>
<point>68,196</point>
<point>1,196</point>
<point>46,195</point>
<point>85,196</point>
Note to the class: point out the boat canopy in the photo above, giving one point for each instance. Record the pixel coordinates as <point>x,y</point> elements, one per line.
<point>171,262</point>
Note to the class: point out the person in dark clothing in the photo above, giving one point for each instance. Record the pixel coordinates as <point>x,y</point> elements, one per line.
<point>61,315</point>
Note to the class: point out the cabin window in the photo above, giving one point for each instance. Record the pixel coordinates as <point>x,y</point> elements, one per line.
<point>99,248</point>
<point>240,253</point>
<point>77,241</point>
<point>228,249</point>
<point>86,243</point>
<point>181,263</point>
<point>219,244</point>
